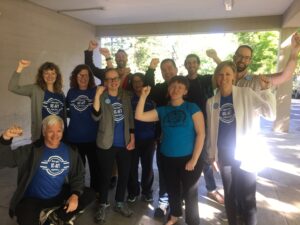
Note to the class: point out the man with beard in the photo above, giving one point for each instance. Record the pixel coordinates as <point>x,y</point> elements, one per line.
<point>243,56</point>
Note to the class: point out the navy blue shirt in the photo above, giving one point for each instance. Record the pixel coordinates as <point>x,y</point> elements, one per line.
<point>227,131</point>
<point>143,130</point>
<point>118,114</point>
<point>50,175</point>
<point>53,104</point>
<point>82,128</point>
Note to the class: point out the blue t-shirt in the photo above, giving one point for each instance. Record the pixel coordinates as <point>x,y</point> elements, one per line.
<point>178,132</point>
<point>82,128</point>
<point>143,130</point>
<point>118,114</point>
<point>53,104</point>
<point>227,131</point>
<point>50,175</point>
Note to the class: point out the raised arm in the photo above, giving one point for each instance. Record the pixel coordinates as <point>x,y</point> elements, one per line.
<point>13,84</point>
<point>97,102</point>
<point>211,53</point>
<point>148,116</point>
<point>199,126</point>
<point>289,69</point>
<point>150,76</point>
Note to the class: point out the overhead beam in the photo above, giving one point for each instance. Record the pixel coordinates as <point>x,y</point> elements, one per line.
<point>188,27</point>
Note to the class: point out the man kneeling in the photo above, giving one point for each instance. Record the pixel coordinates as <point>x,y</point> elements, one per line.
<point>50,174</point>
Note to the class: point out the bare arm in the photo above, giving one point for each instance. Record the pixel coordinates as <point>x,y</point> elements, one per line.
<point>96,103</point>
<point>148,116</point>
<point>289,69</point>
<point>198,120</point>
<point>211,53</point>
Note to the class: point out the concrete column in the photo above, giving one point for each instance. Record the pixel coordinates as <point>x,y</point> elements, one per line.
<point>284,91</point>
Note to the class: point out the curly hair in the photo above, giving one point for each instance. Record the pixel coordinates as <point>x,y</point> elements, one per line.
<point>57,87</point>
<point>76,71</point>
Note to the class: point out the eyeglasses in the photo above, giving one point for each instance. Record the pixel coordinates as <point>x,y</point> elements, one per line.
<point>241,57</point>
<point>112,79</point>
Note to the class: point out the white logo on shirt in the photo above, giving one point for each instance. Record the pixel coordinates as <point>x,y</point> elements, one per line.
<point>81,103</point>
<point>55,165</point>
<point>53,106</point>
<point>227,113</point>
<point>118,112</point>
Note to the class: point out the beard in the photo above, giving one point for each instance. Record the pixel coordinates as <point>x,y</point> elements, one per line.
<point>241,67</point>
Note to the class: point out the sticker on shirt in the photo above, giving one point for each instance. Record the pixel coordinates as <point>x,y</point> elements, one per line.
<point>53,106</point>
<point>118,112</point>
<point>81,103</point>
<point>227,113</point>
<point>248,77</point>
<point>176,118</point>
<point>55,165</point>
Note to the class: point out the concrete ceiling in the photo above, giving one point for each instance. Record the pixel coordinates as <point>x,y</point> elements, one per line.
<point>120,12</point>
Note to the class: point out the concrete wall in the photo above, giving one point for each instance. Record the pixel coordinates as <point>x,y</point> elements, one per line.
<point>37,34</point>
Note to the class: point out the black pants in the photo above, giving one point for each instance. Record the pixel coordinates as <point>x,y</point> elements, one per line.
<point>106,159</point>
<point>239,190</point>
<point>28,210</point>
<point>144,149</point>
<point>182,184</point>
<point>163,196</point>
<point>89,150</point>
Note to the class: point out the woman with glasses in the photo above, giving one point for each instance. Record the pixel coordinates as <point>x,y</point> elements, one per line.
<point>115,140</point>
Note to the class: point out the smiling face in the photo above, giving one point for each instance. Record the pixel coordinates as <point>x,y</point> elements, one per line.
<point>192,65</point>
<point>49,76</point>
<point>53,135</point>
<point>82,79</point>
<point>121,59</point>
<point>112,80</point>
<point>225,78</point>
<point>242,58</point>
<point>168,70</point>
<point>137,84</point>
<point>177,90</point>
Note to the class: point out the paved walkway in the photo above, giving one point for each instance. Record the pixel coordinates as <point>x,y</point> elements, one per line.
<point>278,189</point>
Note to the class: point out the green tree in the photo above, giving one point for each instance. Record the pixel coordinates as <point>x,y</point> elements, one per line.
<point>265,49</point>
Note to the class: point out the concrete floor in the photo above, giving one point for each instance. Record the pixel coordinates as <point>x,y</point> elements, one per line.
<point>278,188</point>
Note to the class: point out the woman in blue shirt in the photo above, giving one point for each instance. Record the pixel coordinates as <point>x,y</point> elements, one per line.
<point>82,129</point>
<point>183,135</point>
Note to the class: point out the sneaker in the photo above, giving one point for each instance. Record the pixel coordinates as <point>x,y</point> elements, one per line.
<point>216,196</point>
<point>123,209</point>
<point>54,219</point>
<point>131,198</point>
<point>161,211</point>
<point>113,182</point>
<point>147,198</point>
<point>101,214</point>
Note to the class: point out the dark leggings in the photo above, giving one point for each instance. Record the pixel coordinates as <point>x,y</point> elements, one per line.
<point>182,183</point>
<point>106,159</point>
<point>239,190</point>
<point>28,210</point>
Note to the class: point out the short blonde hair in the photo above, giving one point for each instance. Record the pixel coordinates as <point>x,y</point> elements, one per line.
<point>221,65</point>
<point>51,120</point>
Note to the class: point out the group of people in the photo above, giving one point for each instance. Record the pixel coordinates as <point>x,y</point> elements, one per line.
<point>195,123</point>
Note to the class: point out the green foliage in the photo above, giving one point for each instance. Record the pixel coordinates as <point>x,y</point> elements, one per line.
<point>265,50</point>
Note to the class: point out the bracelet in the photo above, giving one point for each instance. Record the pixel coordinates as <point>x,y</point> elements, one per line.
<point>108,58</point>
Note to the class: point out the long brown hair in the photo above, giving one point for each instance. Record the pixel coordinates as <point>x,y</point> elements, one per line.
<point>57,86</point>
<point>76,71</point>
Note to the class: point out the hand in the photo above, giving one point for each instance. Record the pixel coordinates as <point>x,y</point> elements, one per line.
<point>105,52</point>
<point>154,62</point>
<point>265,82</point>
<point>23,63</point>
<point>100,90</point>
<point>211,53</point>
<point>13,131</point>
<point>72,203</point>
<point>146,91</point>
<point>214,165</point>
<point>131,145</point>
<point>295,43</point>
<point>190,165</point>
<point>92,45</point>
